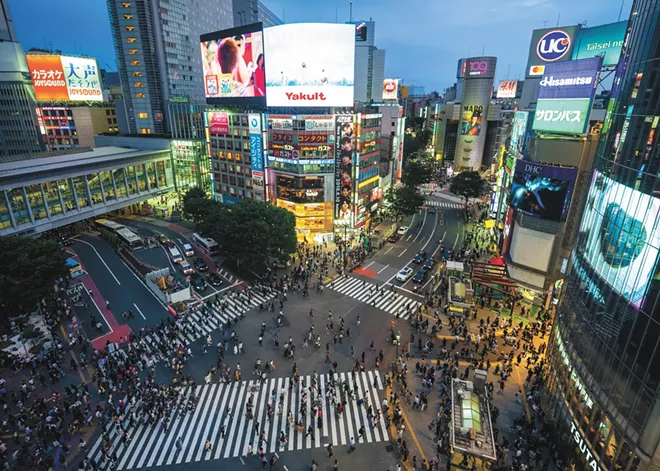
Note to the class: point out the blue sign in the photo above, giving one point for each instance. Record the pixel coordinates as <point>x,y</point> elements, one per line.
<point>256,144</point>
<point>605,40</point>
<point>553,45</point>
<point>570,79</point>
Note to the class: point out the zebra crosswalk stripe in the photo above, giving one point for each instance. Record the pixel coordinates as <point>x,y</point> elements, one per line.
<point>225,404</point>
<point>390,301</point>
<point>443,204</point>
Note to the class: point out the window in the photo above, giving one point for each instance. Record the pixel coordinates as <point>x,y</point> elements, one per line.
<point>131,40</point>
<point>130,29</point>
<point>133,52</point>
<point>139,95</point>
<point>138,85</point>
<point>126,4</point>
<point>135,63</point>
<point>137,73</point>
<point>109,120</point>
<point>128,16</point>
<point>145,131</point>
<point>143,115</point>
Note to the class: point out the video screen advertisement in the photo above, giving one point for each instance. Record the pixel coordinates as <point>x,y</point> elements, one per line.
<point>310,64</point>
<point>605,41</point>
<point>549,45</point>
<point>65,78</point>
<point>565,96</point>
<point>518,130</point>
<point>344,172</point>
<point>542,191</point>
<point>620,233</point>
<point>390,89</point>
<point>233,64</point>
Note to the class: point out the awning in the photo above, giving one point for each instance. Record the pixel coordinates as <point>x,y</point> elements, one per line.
<point>527,278</point>
<point>499,261</point>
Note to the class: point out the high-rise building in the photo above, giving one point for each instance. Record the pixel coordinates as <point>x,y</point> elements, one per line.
<point>369,63</point>
<point>158,55</point>
<point>18,130</point>
<point>254,11</point>
<point>604,380</point>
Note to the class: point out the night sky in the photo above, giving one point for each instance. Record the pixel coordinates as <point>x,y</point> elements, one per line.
<point>423,38</point>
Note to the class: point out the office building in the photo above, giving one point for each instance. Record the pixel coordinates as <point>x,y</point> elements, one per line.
<point>67,127</point>
<point>369,64</point>
<point>254,11</point>
<point>393,126</point>
<point>603,388</point>
<point>158,56</point>
<point>18,126</point>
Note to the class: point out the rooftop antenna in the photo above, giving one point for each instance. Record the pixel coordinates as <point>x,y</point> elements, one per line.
<point>336,14</point>
<point>558,16</point>
<point>483,50</point>
<point>283,19</point>
<point>545,23</point>
<point>508,70</point>
<point>350,11</point>
<point>621,10</point>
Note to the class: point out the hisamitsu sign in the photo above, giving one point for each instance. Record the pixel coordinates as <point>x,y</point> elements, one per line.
<point>570,79</point>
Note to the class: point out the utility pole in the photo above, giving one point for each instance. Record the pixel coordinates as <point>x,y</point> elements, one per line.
<point>350,11</point>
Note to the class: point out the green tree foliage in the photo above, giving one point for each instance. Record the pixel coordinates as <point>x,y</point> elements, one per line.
<point>468,185</point>
<point>404,200</point>
<point>30,269</point>
<point>199,209</point>
<point>416,173</point>
<point>252,232</point>
<point>194,193</point>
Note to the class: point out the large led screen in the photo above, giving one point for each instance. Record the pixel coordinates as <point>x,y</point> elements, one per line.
<point>233,64</point>
<point>542,191</point>
<point>605,41</point>
<point>65,78</point>
<point>620,234</point>
<point>310,64</point>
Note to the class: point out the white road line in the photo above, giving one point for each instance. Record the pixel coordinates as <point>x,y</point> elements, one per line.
<point>389,250</point>
<point>143,284</point>
<point>98,309</point>
<point>421,228</point>
<point>370,265</point>
<point>455,242</point>
<point>140,311</point>
<point>404,251</point>
<point>382,269</point>
<point>101,258</point>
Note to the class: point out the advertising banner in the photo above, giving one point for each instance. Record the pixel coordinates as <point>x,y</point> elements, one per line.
<point>344,134</point>
<point>280,122</point>
<point>620,233</point>
<point>570,79</point>
<point>471,118</point>
<point>507,89</point>
<point>64,78</point>
<point>310,64</point>
<point>460,68</point>
<point>233,65</point>
<point>219,122</point>
<point>480,67</point>
<point>256,146</point>
<point>550,45</point>
<point>605,41</point>
<point>568,116</point>
<point>319,123</point>
<point>390,89</point>
<point>518,131</point>
<point>361,32</point>
<point>542,191</point>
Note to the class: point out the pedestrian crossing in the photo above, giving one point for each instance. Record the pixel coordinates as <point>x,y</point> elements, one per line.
<point>443,204</point>
<point>221,416</point>
<point>200,324</point>
<point>389,301</point>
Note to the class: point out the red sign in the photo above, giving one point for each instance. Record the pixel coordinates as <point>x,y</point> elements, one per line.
<point>218,123</point>
<point>281,137</point>
<point>321,139</point>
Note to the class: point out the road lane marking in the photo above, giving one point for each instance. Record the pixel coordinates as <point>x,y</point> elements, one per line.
<point>370,265</point>
<point>404,251</point>
<point>100,258</point>
<point>389,250</point>
<point>140,311</point>
<point>381,270</point>
<point>421,228</point>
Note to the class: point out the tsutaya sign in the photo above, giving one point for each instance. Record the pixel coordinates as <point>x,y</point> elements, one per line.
<point>584,447</point>
<point>571,371</point>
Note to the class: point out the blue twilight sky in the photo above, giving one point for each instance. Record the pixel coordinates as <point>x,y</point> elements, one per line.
<point>423,38</point>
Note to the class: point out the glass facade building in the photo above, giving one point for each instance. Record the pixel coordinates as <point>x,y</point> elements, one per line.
<point>604,355</point>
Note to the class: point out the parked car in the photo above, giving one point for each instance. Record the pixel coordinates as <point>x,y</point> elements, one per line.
<point>419,257</point>
<point>429,263</point>
<point>186,268</point>
<point>200,264</point>
<point>420,276</point>
<point>402,230</point>
<point>404,275</point>
<point>197,282</point>
<point>214,280</point>
<point>163,239</point>
<point>188,250</point>
<point>394,237</point>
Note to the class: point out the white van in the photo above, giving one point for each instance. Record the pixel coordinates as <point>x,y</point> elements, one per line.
<point>188,250</point>
<point>175,254</point>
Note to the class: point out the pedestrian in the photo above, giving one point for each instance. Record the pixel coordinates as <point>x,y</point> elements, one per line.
<point>351,443</point>
<point>223,431</point>
<point>330,450</point>
<point>335,466</point>
<point>207,446</point>
<point>178,445</point>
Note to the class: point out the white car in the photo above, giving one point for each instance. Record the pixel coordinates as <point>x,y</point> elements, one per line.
<point>402,230</point>
<point>188,250</point>
<point>404,275</point>
<point>185,267</point>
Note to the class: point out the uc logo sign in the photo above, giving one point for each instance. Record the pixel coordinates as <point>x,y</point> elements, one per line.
<point>553,45</point>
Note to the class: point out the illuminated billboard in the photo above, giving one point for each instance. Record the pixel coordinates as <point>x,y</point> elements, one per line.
<point>542,191</point>
<point>605,41</point>
<point>562,116</point>
<point>620,233</point>
<point>549,45</point>
<point>518,130</point>
<point>344,141</point>
<point>218,122</point>
<point>64,78</point>
<point>507,89</point>
<point>361,32</point>
<point>480,67</point>
<point>310,64</point>
<point>233,65</point>
<point>390,89</point>
<point>460,68</point>
<point>471,118</point>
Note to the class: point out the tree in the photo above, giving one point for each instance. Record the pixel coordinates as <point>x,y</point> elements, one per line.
<point>198,209</point>
<point>416,173</point>
<point>468,185</point>
<point>404,200</point>
<point>193,193</point>
<point>252,232</point>
<point>30,269</point>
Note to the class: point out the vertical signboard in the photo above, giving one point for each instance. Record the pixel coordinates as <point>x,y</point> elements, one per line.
<point>344,133</point>
<point>256,150</point>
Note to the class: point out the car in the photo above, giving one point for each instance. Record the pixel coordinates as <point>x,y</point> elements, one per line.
<point>65,242</point>
<point>394,237</point>
<point>200,264</point>
<point>431,210</point>
<point>402,230</point>
<point>171,245</point>
<point>214,280</point>
<point>188,250</point>
<point>404,275</point>
<point>163,239</point>
<point>420,276</point>
<point>186,268</point>
<point>429,263</point>
<point>448,253</point>
<point>197,282</point>
<point>419,256</point>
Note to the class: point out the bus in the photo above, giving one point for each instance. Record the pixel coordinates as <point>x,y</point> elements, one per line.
<point>129,239</point>
<point>207,245</point>
<point>108,225</point>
